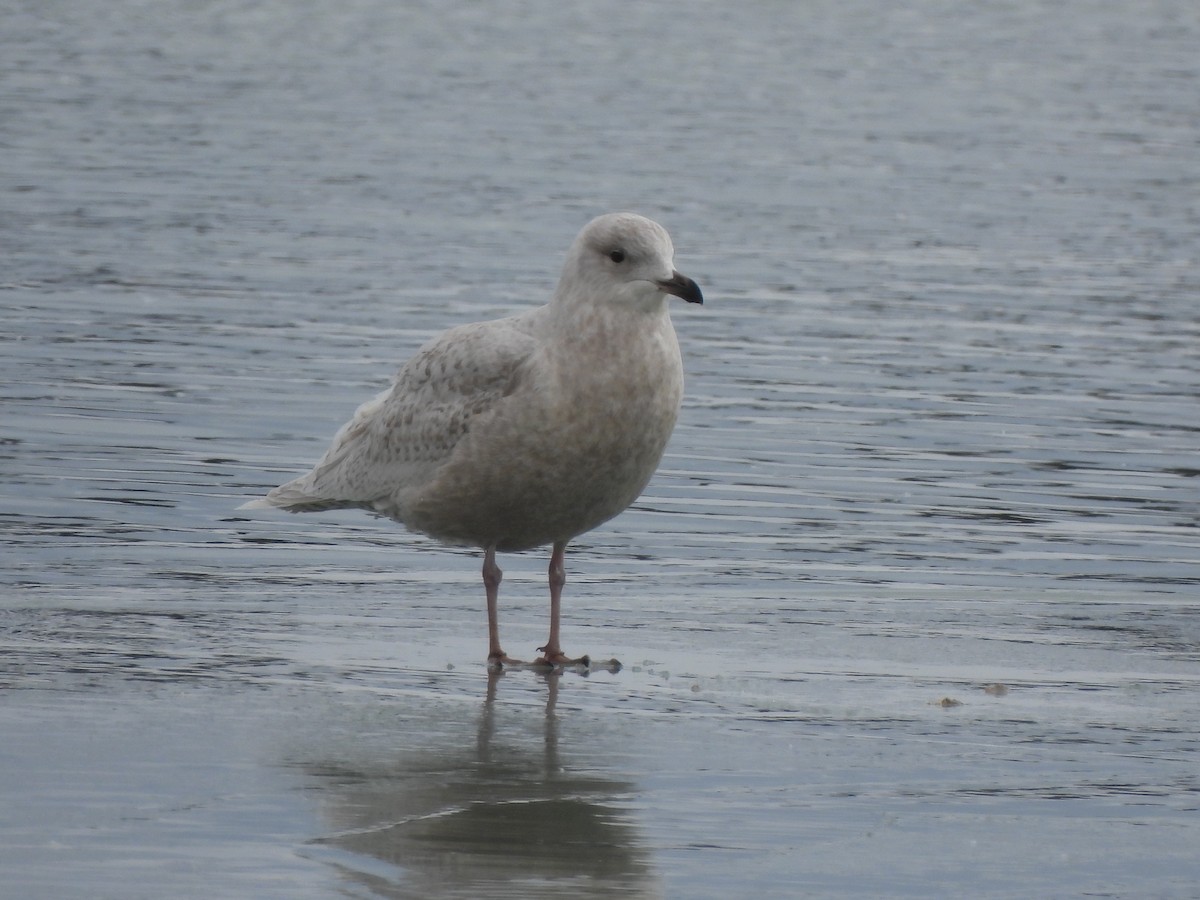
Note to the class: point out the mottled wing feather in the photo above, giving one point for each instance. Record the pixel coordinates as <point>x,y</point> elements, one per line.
<point>397,440</point>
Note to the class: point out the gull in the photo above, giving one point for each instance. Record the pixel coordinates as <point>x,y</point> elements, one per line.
<point>525,431</point>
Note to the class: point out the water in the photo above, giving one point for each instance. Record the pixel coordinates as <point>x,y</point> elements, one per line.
<point>940,433</point>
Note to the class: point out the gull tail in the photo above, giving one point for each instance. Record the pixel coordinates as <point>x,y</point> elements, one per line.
<point>295,496</point>
<point>260,503</point>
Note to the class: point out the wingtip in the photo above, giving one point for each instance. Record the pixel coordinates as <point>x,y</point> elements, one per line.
<point>259,503</point>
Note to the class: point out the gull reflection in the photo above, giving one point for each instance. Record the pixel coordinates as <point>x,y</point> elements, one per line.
<point>506,817</point>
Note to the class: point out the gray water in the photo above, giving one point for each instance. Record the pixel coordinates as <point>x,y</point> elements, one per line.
<point>940,434</point>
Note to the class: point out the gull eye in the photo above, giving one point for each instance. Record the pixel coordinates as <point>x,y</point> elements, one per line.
<point>617,256</point>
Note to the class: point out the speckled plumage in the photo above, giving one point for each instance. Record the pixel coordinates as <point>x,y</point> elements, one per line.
<point>529,430</point>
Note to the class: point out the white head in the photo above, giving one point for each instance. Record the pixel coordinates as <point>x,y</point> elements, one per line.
<point>624,257</point>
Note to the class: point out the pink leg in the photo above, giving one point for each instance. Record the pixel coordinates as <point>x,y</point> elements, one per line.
<point>552,653</point>
<point>492,576</point>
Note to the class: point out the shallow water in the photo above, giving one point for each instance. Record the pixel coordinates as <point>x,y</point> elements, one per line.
<point>940,434</point>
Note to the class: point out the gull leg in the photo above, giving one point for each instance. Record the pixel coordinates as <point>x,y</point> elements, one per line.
<point>552,654</point>
<point>492,576</point>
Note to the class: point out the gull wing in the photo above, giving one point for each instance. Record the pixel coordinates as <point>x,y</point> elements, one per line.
<point>395,442</point>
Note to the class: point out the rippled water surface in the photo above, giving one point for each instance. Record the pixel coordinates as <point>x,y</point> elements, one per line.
<point>910,608</point>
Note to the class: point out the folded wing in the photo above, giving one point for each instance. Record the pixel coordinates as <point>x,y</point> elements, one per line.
<point>396,442</point>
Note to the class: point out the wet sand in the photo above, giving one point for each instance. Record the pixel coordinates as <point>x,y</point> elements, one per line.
<point>909,609</point>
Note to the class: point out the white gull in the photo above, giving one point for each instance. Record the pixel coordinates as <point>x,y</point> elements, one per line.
<point>524,431</point>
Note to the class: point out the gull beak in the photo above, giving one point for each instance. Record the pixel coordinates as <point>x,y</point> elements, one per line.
<point>681,286</point>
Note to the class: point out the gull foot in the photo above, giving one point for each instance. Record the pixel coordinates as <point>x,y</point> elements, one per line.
<point>554,659</point>
<point>559,660</point>
<point>502,660</point>
<point>550,662</point>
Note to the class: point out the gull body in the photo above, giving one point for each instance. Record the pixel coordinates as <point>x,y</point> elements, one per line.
<point>524,431</point>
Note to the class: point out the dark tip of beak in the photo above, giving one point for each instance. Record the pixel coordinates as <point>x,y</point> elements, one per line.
<point>683,287</point>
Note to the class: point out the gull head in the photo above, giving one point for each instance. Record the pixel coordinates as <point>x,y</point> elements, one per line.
<point>624,259</point>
